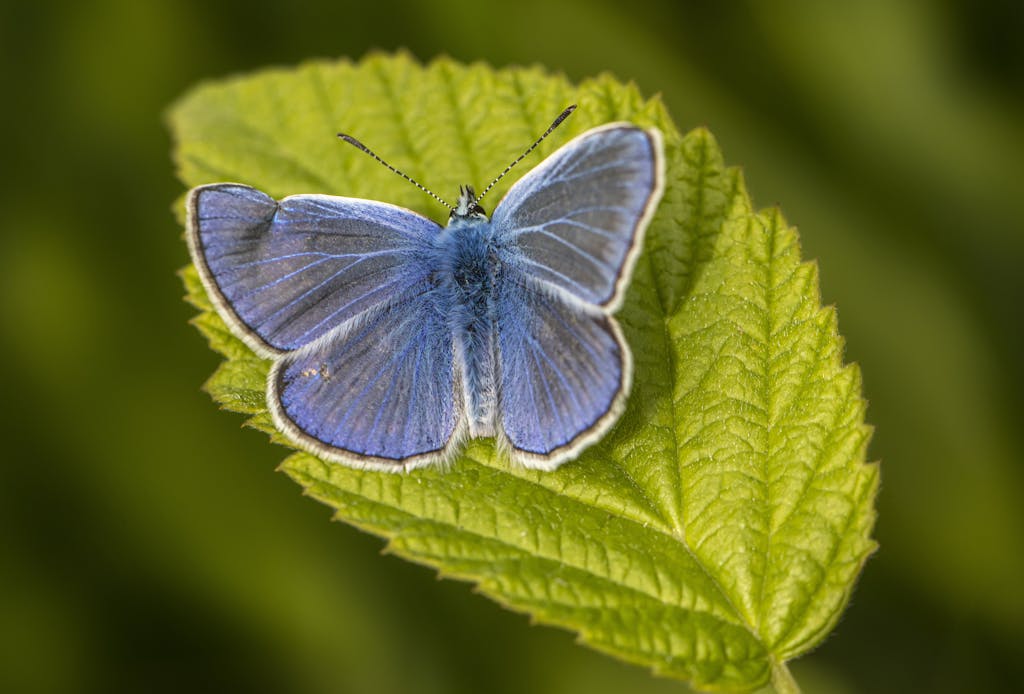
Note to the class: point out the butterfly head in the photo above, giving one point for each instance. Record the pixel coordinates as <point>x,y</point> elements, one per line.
<point>467,206</point>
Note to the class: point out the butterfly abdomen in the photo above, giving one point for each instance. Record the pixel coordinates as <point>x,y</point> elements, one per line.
<point>466,260</point>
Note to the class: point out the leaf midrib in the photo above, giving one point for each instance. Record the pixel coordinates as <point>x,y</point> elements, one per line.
<point>770,415</point>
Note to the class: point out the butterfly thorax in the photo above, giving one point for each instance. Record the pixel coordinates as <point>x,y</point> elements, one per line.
<point>467,265</point>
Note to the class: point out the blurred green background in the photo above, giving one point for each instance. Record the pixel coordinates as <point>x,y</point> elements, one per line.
<point>148,544</point>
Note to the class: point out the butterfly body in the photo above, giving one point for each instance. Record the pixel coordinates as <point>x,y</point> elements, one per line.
<point>394,338</point>
<point>468,265</point>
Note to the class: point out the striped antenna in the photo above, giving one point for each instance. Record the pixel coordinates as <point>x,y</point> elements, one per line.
<point>558,121</point>
<point>359,145</point>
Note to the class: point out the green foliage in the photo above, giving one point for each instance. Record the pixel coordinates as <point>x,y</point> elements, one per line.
<point>716,532</point>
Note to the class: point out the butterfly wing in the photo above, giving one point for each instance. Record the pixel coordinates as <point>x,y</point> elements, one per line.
<point>337,291</point>
<point>576,221</point>
<point>379,393</point>
<point>285,273</point>
<point>568,234</point>
<point>565,375</point>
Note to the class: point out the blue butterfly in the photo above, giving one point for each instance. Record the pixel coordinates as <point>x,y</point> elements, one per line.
<point>394,338</point>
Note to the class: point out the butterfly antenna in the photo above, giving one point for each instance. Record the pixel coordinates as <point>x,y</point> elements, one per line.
<point>558,121</point>
<point>359,145</point>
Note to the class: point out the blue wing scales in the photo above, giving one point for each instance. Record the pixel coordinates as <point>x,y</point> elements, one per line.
<point>285,273</point>
<point>576,221</point>
<point>379,393</point>
<point>568,234</point>
<point>564,375</point>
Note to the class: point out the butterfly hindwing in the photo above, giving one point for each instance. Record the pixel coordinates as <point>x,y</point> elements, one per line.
<point>285,273</point>
<point>379,393</point>
<point>576,221</point>
<point>564,375</point>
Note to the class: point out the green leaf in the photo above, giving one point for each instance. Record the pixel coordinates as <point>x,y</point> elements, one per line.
<point>717,531</point>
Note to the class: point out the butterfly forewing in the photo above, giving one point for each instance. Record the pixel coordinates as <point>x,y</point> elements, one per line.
<point>576,221</point>
<point>285,273</point>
